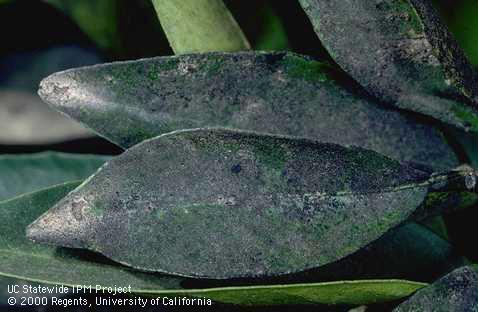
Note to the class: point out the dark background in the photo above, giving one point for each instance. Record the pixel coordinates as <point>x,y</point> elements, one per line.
<point>42,37</point>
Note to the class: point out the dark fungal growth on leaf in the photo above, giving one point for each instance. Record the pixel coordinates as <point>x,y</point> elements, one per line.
<point>278,92</point>
<point>33,262</point>
<point>61,266</point>
<point>27,261</point>
<point>409,251</point>
<point>296,204</point>
<point>253,178</point>
<point>455,292</point>
<point>402,53</point>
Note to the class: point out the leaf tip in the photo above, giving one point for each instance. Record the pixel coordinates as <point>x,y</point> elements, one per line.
<point>55,89</point>
<point>60,226</point>
<point>40,231</point>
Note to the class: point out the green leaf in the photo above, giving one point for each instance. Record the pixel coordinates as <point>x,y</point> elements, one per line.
<point>30,172</point>
<point>455,292</point>
<point>200,26</point>
<point>401,53</point>
<point>437,225</point>
<point>114,25</point>
<point>468,142</point>
<point>461,19</point>
<point>273,35</point>
<point>97,19</point>
<point>23,259</point>
<point>287,204</point>
<point>332,293</point>
<point>282,93</point>
<point>21,174</point>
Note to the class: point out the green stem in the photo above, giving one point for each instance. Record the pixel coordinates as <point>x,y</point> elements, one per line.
<point>200,26</point>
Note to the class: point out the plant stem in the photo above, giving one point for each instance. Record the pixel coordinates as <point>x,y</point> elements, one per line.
<point>463,178</point>
<point>449,192</point>
<point>200,26</point>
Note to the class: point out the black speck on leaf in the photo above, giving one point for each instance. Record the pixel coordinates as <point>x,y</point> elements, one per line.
<point>236,168</point>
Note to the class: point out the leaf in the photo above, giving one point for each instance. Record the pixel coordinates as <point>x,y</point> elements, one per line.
<point>30,172</point>
<point>462,225</point>
<point>444,202</point>
<point>21,174</point>
<point>456,292</point>
<point>97,19</point>
<point>287,204</point>
<point>332,293</point>
<point>23,259</point>
<point>401,53</point>
<point>22,72</point>
<point>114,25</point>
<point>280,93</point>
<point>460,18</point>
<point>200,26</point>
<point>437,225</point>
<point>407,252</point>
<point>273,35</point>
<point>24,118</point>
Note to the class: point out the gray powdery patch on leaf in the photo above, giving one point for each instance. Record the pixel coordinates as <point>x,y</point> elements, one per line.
<point>402,53</point>
<point>279,93</point>
<point>455,292</point>
<point>409,251</point>
<point>22,259</point>
<point>40,263</point>
<point>189,200</point>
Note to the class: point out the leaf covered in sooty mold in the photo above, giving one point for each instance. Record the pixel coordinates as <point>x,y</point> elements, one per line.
<point>402,53</point>
<point>32,262</point>
<point>278,92</point>
<point>455,292</point>
<point>25,260</point>
<point>189,200</point>
<point>408,252</point>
